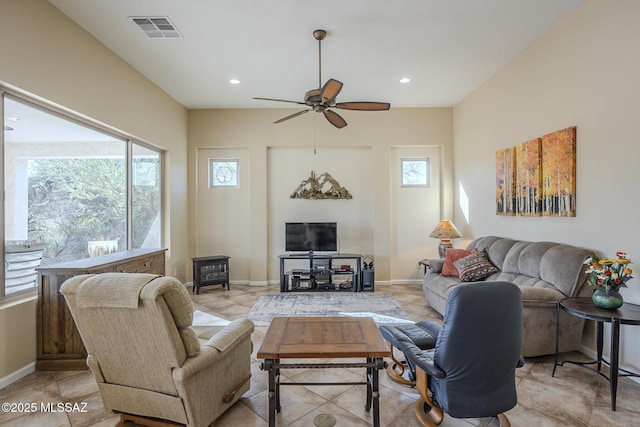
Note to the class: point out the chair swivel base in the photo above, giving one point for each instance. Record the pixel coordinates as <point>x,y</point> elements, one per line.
<point>432,417</point>
<point>430,414</point>
<point>398,371</point>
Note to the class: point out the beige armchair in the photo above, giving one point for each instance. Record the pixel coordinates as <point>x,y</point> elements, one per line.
<point>147,359</point>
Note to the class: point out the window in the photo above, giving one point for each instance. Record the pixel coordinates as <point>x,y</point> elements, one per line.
<point>415,173</point>
<point>145,198</point>
<point>223,173</point>
<point>72,191</point>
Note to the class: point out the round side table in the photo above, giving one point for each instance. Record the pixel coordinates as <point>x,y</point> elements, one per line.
<point>628,314</point>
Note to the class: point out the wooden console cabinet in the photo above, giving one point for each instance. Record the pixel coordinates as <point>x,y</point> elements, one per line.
<point>59,345</point>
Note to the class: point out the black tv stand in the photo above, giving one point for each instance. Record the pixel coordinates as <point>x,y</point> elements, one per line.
<point>323,272</point>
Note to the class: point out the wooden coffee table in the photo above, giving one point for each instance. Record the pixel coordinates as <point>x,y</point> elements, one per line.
<point>323,338</point>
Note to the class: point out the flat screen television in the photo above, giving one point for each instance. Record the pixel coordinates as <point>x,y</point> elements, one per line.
<point>311,237</point>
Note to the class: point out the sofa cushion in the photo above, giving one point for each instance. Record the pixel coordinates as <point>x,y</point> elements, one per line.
<point>496,247</point>
<point>475,267</point>
<point>553,268</point>
<point>531,256</point>
<point>452,255</point>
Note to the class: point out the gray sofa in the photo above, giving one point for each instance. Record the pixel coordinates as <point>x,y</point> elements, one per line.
<point>546,272</point>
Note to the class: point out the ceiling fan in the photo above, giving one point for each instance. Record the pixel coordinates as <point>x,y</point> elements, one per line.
<point>323,99</point>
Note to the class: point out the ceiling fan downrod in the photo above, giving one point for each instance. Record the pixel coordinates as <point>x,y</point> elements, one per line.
<point>319,35</point>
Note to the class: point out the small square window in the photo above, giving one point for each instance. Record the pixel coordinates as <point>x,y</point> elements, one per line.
<point>415,173</point>
<point>223,173</point>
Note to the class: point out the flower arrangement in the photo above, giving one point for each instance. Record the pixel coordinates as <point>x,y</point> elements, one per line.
<point>609,274</point>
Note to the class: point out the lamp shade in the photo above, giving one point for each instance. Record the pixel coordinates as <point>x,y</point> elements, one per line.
<point>445,230</point>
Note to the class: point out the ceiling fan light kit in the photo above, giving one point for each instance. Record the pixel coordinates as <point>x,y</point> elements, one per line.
<point>323,99</point>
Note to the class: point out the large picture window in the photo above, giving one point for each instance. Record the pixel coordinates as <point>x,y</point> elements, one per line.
<point>72,191</point>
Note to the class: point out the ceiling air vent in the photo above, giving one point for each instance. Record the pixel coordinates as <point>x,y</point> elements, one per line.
<point>156,27</point>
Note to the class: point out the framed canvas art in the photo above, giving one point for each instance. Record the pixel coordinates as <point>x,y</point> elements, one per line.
<point>505,182</point>
<point>559,173</point>
<point>529,178</point>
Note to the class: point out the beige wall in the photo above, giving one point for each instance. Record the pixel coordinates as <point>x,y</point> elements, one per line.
<point>585,73</point>
<point>17,336</point>
<point>47,55</point>
<point>357,155</point>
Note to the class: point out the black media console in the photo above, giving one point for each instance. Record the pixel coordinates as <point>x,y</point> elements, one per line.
<point>323,272</point>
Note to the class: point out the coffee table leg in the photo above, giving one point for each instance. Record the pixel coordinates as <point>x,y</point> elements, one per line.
<point>269,366</point>
<point>379,364</point>
<point>373,388</point>
<point>277,381</point>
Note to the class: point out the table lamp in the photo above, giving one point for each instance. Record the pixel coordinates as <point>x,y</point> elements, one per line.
<point>445,231</point>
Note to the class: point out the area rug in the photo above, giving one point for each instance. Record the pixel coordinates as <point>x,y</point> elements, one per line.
<point>382,307</point>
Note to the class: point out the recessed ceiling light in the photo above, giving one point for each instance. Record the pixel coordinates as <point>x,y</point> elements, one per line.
<point>405,80</point>
<point>234,81</point>
<point>13,119</point>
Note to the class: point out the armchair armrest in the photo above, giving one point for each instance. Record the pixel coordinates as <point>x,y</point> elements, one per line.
<point>229,334</point>
<point>212,381</point>
<point>209,354</point>
<point>421,358</point>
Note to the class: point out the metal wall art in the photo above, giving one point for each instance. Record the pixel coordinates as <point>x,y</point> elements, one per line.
<point>321,187</point>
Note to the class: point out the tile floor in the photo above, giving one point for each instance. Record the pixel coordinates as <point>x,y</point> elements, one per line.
<point>574,397</point>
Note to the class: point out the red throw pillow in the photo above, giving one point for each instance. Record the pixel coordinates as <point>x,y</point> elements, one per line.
<point>450,256</point>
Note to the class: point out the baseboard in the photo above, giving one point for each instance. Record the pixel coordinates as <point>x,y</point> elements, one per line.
<point>383,282</point>
<point>16,375</point>
<point>406,282</point>
<point>259,283</point>
<point>241,282</point>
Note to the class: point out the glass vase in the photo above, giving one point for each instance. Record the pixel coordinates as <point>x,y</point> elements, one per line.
<point>609,300</point>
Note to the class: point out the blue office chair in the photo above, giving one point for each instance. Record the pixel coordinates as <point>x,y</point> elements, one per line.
<point>471,371</point>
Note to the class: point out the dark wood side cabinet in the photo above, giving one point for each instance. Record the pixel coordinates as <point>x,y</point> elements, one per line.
<point>59,345</point>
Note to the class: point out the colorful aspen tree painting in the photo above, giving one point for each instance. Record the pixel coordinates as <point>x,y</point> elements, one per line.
<point>559,173</point>
<point>505,182</point>
<point>529,178</point>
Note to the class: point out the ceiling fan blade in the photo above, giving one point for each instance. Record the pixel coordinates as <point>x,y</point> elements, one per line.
<point>335,119</point>
<point>363,106</point>
<point>292,116</point>
<point>330,90</point>
<point>280,100</point>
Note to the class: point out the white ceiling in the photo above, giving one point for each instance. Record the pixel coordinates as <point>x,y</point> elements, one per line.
<point>447,47</point>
